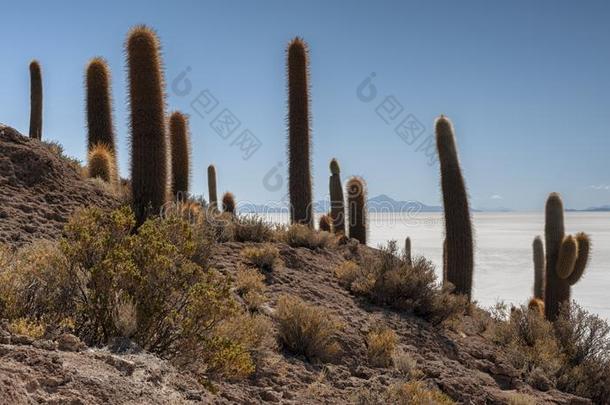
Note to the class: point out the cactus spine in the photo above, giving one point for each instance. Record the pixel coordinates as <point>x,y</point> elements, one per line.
<point>149,147</point>
<point>337,203</point>
<point>299,172</point>
<point>228,203</point>
<point>100,129</point>
<point>178,128</point>
<point>325,223</point>
<point>459,248</point>
<point>408,251</point>
<point>100,164</point>
<point>212,187</point>
<point>356,198</point>
<point>566,258</point>
<point>538,268</point>
<point>35,100</point>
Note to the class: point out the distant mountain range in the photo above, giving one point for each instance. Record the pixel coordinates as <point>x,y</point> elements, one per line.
<point>602,208</point>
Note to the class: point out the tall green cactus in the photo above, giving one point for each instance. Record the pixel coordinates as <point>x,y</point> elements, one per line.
<point>100,130</point>
<point>212,187</point>
<point>337,203</point>
<point>538,249</point>
<point>299,137</point>
<point>408,251</point>
<point>228,203</point>
<point>566,258</point>
<point>150,168</point>
<point>356,206</point>
<point>459,249</point>
<point>179,135</point>
<point>35,100</point>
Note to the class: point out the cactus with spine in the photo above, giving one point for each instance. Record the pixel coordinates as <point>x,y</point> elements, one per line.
<point>538,249</point>
<point>299,136</point>
<point>337,203</point>
<point>35,100</point>
<point>100,130</point>
<point>150,168</point>
<point>212,187</point>
<point>566,258</point>
<point>228,203</point>
<point>179,135</point>
<point>325,223</point>
<point>408,257</point>
<point>459,250</point>
<point>356,206</point>
<point>100,164</point>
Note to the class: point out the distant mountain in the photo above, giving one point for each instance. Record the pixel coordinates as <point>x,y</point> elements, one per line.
<point>380,203</point>
<point>603,208</point>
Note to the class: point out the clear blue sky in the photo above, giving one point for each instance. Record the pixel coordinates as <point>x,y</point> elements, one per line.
<point>526,84</point>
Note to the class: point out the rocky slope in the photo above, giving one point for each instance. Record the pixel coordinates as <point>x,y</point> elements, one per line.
<point>38,192</point>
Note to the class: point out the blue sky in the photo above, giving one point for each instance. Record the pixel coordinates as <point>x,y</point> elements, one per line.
<point>525,83</point>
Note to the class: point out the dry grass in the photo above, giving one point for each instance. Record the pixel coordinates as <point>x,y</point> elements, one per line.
<point>308,330</point>
<point>24,326</point>
<point>265,257</point>
<point>381,345</point>
<point>250,285</point>
<point>388,279</point>
<point>408,393</point>
<point>125,317</point>
<point>406,365</point>
<point>298,235</point>
<point>252,229</point>
<point>521,399</point>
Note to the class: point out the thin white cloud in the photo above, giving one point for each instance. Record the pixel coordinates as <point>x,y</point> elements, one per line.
<point>496,197</point>
<point>600,187</point>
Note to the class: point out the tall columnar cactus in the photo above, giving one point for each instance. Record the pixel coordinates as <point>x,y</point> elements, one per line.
<point>228,203</point>
<point>100,163</point>
<point>100,129</point>
<point>459,248</point>
<point>35,100</point>
<point>179,135</point>
<point>356,206</point>
<point>150,169</point>
<point>408,251</point>
<point>299,172</point>
<point>538,249</point>
<point>212,187</point>
<point>337,203</point>
<point>566,258</point>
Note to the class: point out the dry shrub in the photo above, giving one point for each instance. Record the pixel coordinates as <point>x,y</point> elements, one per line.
<point>24,326</point>
<point>250,285</point>
<point>584,339</point>
<point>381,345</point>
<point>521,399</point>
<point>308,330</point>
<point>299,235</point>
<point>109,280</point>
<point>265,257</point>
<point>406,365</point>
<point>529,339</point>
<point>388,279</point>
<point>252,229</point>
<point>415,392</point>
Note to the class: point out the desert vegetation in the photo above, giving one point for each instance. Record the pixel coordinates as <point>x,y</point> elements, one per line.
<point>213,291</point>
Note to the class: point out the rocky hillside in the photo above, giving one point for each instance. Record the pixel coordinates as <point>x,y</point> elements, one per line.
<point>39,189</point>
<point>38,192</point>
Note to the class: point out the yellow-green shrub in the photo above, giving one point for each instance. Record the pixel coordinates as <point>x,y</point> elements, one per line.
<point>264,257</point>
<point>381,345</point>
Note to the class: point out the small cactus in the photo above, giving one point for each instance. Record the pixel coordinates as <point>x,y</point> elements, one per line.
<point>536,305</point>
<point>228,203</point>
<point>150,169</point>
<point>35,100</point>
<point>337,203</point>
<point>299,137</point>
<point>179,135</point>
<point>212,187</point>
<point>356,205</point>
<point>566,258</point>
<point>459,249</point>
<point>408,251</point>
<point>100,163</point>
<point>325,223</point>
<point>538,268</point>
<point>99,109</point>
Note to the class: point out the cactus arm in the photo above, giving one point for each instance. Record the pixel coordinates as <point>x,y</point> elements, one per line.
<point>584,247</point>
